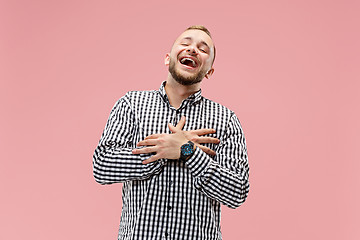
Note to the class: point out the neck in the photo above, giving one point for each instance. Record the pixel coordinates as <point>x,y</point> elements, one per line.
<point>177,92</point>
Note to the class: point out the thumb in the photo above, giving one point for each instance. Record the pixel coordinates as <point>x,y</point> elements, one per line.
<point>181,123</point>
<point>172,128</point>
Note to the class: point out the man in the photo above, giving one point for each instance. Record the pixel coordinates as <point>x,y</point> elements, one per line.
<point>179,155</point>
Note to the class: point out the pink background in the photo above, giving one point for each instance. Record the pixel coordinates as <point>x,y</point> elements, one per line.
<point>289,69</point>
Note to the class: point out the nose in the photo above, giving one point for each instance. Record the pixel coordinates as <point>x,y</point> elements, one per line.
<point>191,49</point>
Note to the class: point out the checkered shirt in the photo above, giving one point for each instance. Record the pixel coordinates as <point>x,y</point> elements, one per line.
<point>172,199</point>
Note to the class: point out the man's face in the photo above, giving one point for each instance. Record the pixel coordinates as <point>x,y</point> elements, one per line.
<point>191,57</point>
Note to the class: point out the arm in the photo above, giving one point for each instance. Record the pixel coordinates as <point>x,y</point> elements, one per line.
<point>113,160</point>
<point>226,177</point>
<point>168,145</point>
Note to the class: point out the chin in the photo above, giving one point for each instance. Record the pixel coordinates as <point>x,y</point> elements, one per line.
<point>185,77</point>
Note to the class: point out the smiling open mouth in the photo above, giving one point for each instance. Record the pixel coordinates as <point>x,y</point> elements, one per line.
<point>188,62</point>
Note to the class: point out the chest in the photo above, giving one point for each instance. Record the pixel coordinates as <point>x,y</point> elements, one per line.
<point>154,116</point>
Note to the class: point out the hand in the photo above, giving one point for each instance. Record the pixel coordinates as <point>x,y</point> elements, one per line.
<point>194,136</point>
<point>168,145</point>
<point>164,145</point>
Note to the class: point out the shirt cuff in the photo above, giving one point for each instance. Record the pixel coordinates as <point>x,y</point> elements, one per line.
<point>198,162</point>
<point>162,161</point>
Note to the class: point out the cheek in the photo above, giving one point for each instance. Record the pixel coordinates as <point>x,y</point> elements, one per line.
<point>173,59</point>
<point>177,50</point>
<point>207,60</point>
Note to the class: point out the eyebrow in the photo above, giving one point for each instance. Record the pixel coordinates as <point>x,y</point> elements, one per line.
<point>202,42</point>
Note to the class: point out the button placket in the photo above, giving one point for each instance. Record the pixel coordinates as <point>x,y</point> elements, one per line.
<point>175,117</point>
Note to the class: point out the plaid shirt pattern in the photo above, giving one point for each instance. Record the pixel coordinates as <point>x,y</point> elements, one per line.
<point>172,199</point>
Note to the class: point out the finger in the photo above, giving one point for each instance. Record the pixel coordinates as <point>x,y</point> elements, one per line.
<point>144,150</point>
<point>207,150</point>
<point>147,142</point>
<point>153,136</point>
<point>181,123</point>
<point>207,140</point>
<point>172,128</point>
<point>203,131</point>
<point>151,159</point>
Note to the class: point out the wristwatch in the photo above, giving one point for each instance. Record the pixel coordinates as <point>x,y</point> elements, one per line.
<point>187,150</point>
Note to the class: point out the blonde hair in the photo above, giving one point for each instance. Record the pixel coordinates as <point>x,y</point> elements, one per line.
<point>199,27</point>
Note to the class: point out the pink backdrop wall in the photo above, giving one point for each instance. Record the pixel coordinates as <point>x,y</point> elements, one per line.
<point>289,69</point>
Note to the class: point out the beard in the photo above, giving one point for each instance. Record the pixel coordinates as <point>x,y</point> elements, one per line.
<point>196,78</point>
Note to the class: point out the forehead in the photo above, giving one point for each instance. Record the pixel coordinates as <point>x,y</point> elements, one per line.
<point>197,36</point>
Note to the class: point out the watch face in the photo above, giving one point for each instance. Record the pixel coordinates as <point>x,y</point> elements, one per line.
<point>187,149</point>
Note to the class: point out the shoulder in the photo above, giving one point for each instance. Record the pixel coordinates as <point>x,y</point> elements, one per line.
<point>137,99</point>
<point>217,108</point>
<point>227,121</point>
<point>137,94</point>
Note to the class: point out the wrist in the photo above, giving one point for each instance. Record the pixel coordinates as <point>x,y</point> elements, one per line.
<point>191,154</point>
<point>187,150</point>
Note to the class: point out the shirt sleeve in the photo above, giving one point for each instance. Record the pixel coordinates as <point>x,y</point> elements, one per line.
<point>226,177</point>
<point>113,160</point>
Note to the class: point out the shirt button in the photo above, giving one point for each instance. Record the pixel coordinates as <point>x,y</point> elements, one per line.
<point>171,182</point>
<point>166,234</point>
<point>169,207</point>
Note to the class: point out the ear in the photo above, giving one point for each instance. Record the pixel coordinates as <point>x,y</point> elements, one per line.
<point>209,73</point>
<point>167,59</point>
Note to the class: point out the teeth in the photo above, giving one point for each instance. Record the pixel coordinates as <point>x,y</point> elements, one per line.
<point>189,59</point>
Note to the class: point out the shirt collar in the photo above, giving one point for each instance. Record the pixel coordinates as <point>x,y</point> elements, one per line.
<point>191,99</point>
